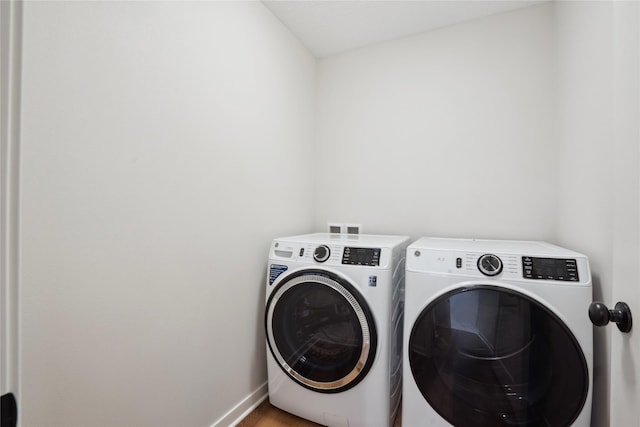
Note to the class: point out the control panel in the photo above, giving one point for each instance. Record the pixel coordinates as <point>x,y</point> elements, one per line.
<point>503,266</point>
<point>361,256</point>
<point>332,254</point>
<point>550,269</point>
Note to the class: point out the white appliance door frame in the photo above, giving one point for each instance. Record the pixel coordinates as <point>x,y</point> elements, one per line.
<point>10,42</point>
<point>314,319</point>
<point>625,348</point>
<point>483,354</point>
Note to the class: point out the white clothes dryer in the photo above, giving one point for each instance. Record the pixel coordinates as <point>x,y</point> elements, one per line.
<point>333,323</point>
<point>496,334</point>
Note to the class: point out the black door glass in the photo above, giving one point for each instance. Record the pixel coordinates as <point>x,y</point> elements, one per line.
<point>318,333</point>
<point>488,356</point>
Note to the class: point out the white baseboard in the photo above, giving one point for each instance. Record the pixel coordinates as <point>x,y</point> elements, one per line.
<point>243,408</point>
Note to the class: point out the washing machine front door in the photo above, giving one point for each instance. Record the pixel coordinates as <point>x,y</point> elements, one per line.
<point>320,330</point>
<point>489,356</point>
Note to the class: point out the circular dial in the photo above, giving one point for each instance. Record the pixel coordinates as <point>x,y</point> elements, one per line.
<point>321,254</point>
<point>489,265</point>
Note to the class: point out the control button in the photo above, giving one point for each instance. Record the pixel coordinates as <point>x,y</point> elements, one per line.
<point>301,252</point>
<point>458,262</point>
<point>321,254</point>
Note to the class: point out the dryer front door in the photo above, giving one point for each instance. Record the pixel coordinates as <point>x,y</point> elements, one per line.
<point>490,356</point>
<point>320,330</point>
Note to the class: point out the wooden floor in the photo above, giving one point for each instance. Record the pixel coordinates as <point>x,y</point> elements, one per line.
<point>267,415</point>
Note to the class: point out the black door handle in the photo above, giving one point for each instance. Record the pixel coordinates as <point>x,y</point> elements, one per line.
<point>600,315</point>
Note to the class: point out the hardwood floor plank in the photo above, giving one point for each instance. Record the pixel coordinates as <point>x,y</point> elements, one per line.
<point>267,415</point>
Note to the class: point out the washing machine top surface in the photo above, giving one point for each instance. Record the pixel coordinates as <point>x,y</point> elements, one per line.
<point>498,259</point>
<point>347,239</point>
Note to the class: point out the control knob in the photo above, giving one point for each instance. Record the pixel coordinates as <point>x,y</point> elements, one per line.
<point>321,253</point>
<point>490,265</point>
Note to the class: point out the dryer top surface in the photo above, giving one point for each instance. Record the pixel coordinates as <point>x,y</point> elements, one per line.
<point>515,247</point>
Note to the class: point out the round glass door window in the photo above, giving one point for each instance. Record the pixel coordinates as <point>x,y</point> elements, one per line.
<point>488,356</point>
<point>320,331</point>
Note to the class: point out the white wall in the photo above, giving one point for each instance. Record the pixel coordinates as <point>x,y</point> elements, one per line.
<point>446,133</point>
<point>164,144</point>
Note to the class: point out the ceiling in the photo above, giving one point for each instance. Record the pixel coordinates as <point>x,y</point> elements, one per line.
<point>328,27</point>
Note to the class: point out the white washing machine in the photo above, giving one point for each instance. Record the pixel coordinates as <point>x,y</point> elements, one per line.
<point>333,323</point>
<point>496,334</point>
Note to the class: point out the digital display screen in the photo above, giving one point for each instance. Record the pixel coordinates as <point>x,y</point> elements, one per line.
<point>361,256</point>
<point>550,269</point>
